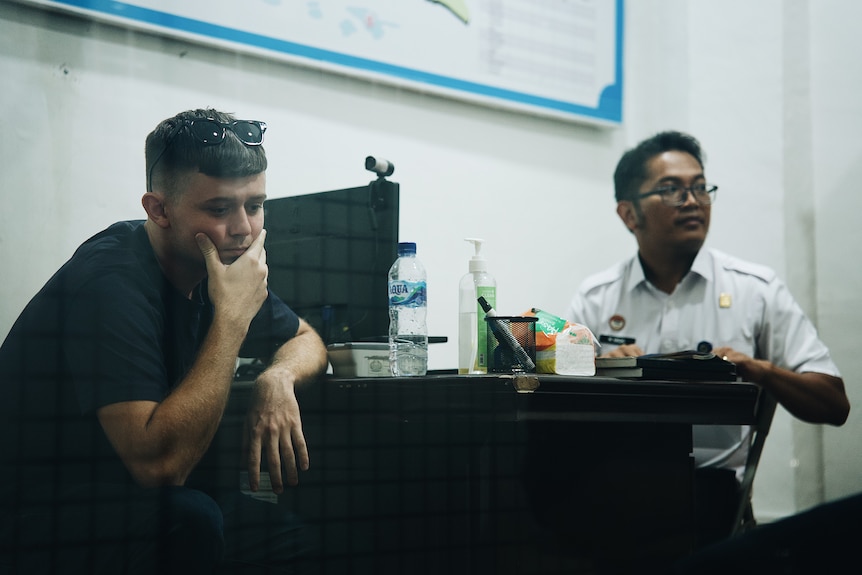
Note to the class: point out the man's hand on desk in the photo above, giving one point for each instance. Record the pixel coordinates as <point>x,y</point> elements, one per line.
<point>625,350</point>
<point>748,368</point>
<point>274,429</point>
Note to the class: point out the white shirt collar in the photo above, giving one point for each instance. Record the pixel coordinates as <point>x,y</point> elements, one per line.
<point>701,266</point>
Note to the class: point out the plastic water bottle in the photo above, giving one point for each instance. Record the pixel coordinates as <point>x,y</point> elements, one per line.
<point>408,331</point>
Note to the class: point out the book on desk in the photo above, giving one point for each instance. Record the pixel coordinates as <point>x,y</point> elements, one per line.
<point>683,366</point>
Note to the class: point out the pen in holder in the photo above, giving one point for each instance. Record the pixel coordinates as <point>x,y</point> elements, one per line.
<point>511,341</point>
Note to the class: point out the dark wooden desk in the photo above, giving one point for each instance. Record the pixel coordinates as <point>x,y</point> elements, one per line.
<point>464,474</point>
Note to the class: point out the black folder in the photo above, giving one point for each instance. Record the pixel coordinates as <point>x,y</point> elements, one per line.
<point>688,365</point>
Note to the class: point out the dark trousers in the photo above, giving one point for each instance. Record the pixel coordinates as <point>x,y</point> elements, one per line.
<point>111,530</point>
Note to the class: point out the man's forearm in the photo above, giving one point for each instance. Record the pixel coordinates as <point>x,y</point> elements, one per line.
<point>180,429</point>
<point>198,403</point>
<point>190,416</point>
<point>303,357</point>
<point>812,397</point>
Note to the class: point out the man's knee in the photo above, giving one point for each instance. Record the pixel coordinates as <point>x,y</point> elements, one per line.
<point>192,530</point>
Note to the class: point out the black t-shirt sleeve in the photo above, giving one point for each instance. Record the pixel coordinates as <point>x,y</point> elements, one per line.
<point>114,343</point>
<point>273,325</point>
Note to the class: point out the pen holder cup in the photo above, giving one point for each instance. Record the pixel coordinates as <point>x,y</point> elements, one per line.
<point>511,344</point>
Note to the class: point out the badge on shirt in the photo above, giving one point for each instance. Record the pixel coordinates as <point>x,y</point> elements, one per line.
<point>724,300</point>
<point>616,339</point>
<point>617,322</point>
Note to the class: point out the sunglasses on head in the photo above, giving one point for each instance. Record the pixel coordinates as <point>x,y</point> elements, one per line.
<point>211,132</point>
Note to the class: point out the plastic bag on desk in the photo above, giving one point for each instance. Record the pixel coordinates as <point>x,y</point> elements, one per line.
<point>563,347</point>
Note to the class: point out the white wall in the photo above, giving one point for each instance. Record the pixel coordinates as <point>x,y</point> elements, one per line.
<point>766,86</point>
<point>837,158</point>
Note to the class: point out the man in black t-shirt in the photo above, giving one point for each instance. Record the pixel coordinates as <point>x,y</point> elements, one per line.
<point>115,377</point>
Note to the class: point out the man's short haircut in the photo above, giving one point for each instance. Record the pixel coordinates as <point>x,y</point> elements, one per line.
<point>631,170</point>
<point>182,154</point>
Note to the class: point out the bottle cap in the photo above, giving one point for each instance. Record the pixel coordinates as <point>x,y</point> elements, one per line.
<point>405,248</point>
<point>477,263</point>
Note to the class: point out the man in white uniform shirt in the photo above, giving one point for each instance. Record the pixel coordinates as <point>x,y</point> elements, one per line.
<point>673,295</point>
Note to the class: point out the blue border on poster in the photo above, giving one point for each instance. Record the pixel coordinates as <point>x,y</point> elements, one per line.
<point>609,109</point>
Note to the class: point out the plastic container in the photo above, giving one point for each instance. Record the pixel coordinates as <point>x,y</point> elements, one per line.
<point>511,341</point>
<point>408,329</point>
<point>472,333</point>
<point>511,344</point>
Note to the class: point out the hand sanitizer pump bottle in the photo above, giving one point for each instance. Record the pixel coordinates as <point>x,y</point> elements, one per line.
<point>472,333</point>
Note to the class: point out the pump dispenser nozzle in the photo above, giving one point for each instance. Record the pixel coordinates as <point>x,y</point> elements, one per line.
<point>478,263</point>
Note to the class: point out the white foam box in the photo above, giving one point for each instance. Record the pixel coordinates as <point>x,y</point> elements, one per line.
<point>359,359</point>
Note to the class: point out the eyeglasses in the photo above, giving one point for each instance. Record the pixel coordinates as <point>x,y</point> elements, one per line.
<point>675,196</point>
<point>211,132</point>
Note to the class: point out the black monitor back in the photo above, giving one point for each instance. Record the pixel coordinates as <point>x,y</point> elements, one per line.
<point>328,255</point>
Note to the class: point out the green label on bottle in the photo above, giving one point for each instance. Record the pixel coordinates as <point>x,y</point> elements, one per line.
<point>490,295</point>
